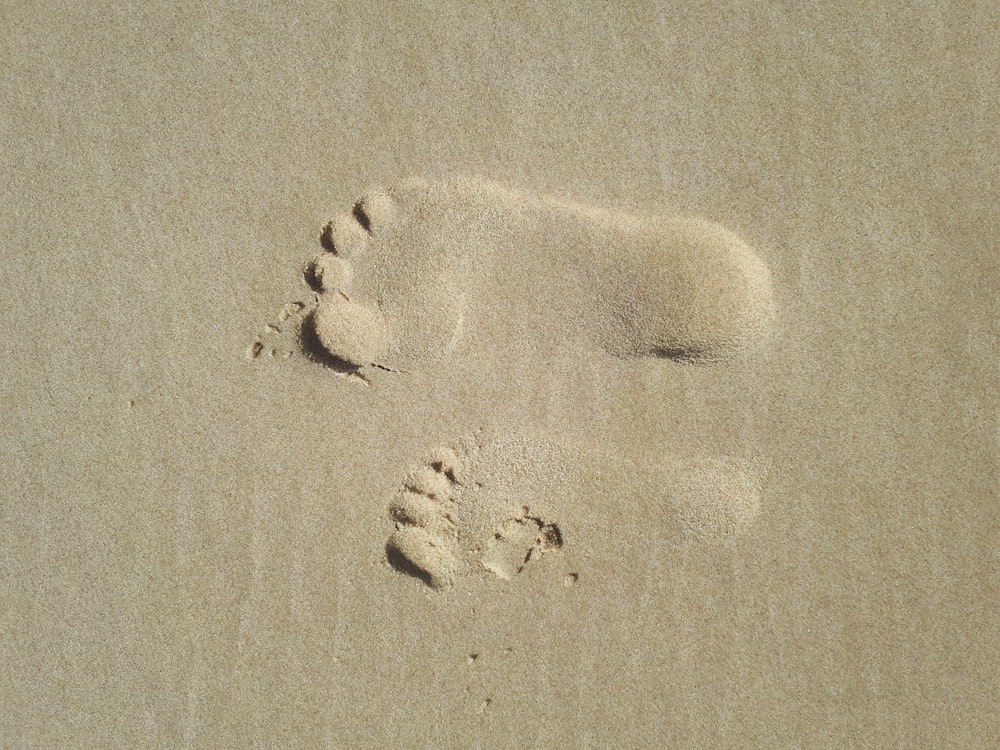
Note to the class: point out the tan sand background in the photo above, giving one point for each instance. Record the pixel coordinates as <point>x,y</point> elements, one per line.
<point>191,543</point>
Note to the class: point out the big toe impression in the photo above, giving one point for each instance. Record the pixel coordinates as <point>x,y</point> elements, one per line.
<point>353,333</point>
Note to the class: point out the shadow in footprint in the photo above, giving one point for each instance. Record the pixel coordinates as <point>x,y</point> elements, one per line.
<point>312,279</point>
<point>690,356</point>
<point>316,352</point>
<point>359,213</point>
<point>402,565</point>
<point>326,239</point>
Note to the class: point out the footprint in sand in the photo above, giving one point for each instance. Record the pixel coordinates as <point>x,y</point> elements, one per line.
<point>467,270</point>
<point>429,270</point>
<point>463,509</point>
<point>495,506</point>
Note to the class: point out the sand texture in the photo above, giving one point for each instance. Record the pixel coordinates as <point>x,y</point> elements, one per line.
<point>490,375</point>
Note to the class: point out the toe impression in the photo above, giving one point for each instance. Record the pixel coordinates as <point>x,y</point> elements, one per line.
<point>345,237</point>
<point>375,209</point>
<point>329,272</point>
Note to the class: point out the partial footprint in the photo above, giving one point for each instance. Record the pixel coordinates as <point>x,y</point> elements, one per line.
<point>429,269</point>
<point>517,542</point>
<point>497,506</point>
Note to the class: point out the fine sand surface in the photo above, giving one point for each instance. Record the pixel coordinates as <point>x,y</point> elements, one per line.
<point>460,375</point>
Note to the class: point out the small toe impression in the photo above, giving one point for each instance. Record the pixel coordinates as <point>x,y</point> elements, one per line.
<point>353,333</point>
<point>329,273</point>
<point>375,209</point>
<point>345,236</point>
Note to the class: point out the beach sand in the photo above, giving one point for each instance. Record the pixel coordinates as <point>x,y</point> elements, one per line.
<point>366,384</point>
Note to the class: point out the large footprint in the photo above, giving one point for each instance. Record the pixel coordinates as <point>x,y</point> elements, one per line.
<point>428,269</point>
<point>494,506</point>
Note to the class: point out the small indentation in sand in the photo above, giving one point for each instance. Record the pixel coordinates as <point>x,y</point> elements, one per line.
<point>432,482</point>
<point>278,339</point>
<point>345,237</point>
<point>420,553</point>
<point>375,209</point>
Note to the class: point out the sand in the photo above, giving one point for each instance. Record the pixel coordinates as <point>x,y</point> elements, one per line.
<point>470,376</point>
<point>465,279</point>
